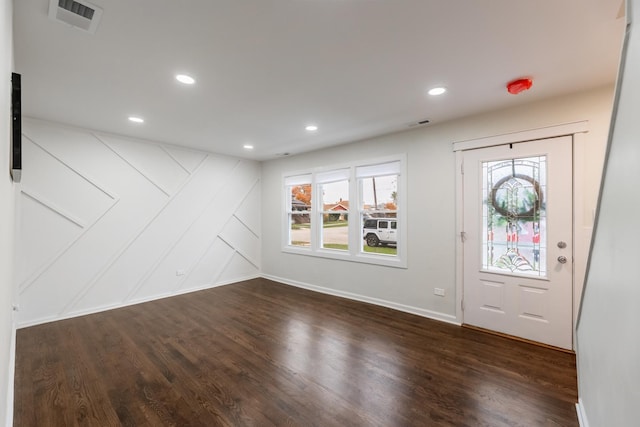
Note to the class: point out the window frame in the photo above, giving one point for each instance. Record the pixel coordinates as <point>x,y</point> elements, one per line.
<point>322,179</point>
<point>290,182</point>
<point>355,251</point>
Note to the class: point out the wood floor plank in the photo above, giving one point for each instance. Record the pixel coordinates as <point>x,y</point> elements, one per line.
<point>259,353</point>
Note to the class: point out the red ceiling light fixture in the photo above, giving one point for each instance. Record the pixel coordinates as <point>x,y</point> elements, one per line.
<point>519,85</point>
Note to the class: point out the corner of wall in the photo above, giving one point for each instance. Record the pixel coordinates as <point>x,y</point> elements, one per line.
<point>607,336</point>
<point>7,216</point>
<point>582,415</point>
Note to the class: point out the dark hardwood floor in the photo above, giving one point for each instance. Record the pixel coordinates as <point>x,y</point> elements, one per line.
<point>259,353</point>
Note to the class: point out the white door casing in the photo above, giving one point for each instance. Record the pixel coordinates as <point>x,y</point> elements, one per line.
<point>535,306</point>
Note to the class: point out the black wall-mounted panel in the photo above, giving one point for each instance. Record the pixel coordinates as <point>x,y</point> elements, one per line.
<point>16,128</point>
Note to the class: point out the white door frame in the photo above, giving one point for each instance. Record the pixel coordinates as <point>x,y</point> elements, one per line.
<point>581,235</point>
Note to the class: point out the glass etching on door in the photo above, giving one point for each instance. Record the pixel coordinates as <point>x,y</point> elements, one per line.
<point>514,216</point>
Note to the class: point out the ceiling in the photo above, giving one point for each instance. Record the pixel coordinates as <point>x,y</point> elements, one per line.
<point>265,69</point>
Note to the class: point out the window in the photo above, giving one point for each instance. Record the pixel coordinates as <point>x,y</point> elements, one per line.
<point>378,185</point>
<point>515,216</point>
<point>299,199</point>
<point>334,212</point>
<point>353,212</point>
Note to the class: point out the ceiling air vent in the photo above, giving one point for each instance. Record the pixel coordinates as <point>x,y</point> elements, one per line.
<point>78,14</point>
<point>418,123</point>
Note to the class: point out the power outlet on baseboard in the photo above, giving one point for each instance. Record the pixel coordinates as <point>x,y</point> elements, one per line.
<point>438,291</point>
<point>180,272</point>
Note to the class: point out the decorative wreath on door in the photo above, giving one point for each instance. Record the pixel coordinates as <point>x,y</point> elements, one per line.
<point>503,210</point>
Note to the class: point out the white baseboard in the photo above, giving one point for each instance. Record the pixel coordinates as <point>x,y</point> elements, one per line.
<point>352,296</point>
<point>582,415</point>
<point>11,374</point>
<point>100,309</point>
<point>362,298</point>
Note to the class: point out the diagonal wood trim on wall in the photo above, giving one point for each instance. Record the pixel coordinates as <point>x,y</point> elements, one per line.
<point>173,220</point>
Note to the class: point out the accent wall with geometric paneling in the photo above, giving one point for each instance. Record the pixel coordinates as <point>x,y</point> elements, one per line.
<point>106,221</point>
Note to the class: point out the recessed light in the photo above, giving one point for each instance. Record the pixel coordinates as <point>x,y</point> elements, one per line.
<point>311,128</point>
<point>183,78</point>
<point>135,119</point>
<point>437,91</point>
<point>248,147</point>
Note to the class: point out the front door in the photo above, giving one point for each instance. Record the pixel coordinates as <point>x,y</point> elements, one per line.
<point>517,222</point>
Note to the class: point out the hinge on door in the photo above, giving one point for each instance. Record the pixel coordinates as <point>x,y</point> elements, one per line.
<point>462,304</point>
<point>463,236</point>
<point>462,168</point>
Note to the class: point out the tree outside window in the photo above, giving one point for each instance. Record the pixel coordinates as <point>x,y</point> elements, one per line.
<point>299,210</point>
<point>355,213</point>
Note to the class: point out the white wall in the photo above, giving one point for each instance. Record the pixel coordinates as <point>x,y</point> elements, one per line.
<point>7,205</point>
<point>609,325</point>
<point>106,221</point>
<point>431,203</point>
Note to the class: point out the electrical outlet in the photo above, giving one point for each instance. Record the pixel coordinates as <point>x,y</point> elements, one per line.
<point>438,291</point>
<point>180,273</point>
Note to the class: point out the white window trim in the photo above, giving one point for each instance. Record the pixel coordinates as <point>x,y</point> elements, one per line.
<point>290,180</point>
<point>355,251</point>
<point>322,180</point>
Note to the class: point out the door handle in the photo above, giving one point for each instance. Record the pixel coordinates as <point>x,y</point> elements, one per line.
<point>562,259</point>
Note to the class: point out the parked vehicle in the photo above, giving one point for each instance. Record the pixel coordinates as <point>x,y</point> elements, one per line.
<point>380,231</point>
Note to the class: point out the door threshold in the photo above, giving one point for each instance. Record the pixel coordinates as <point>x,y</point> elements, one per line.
<point>515,338</point>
